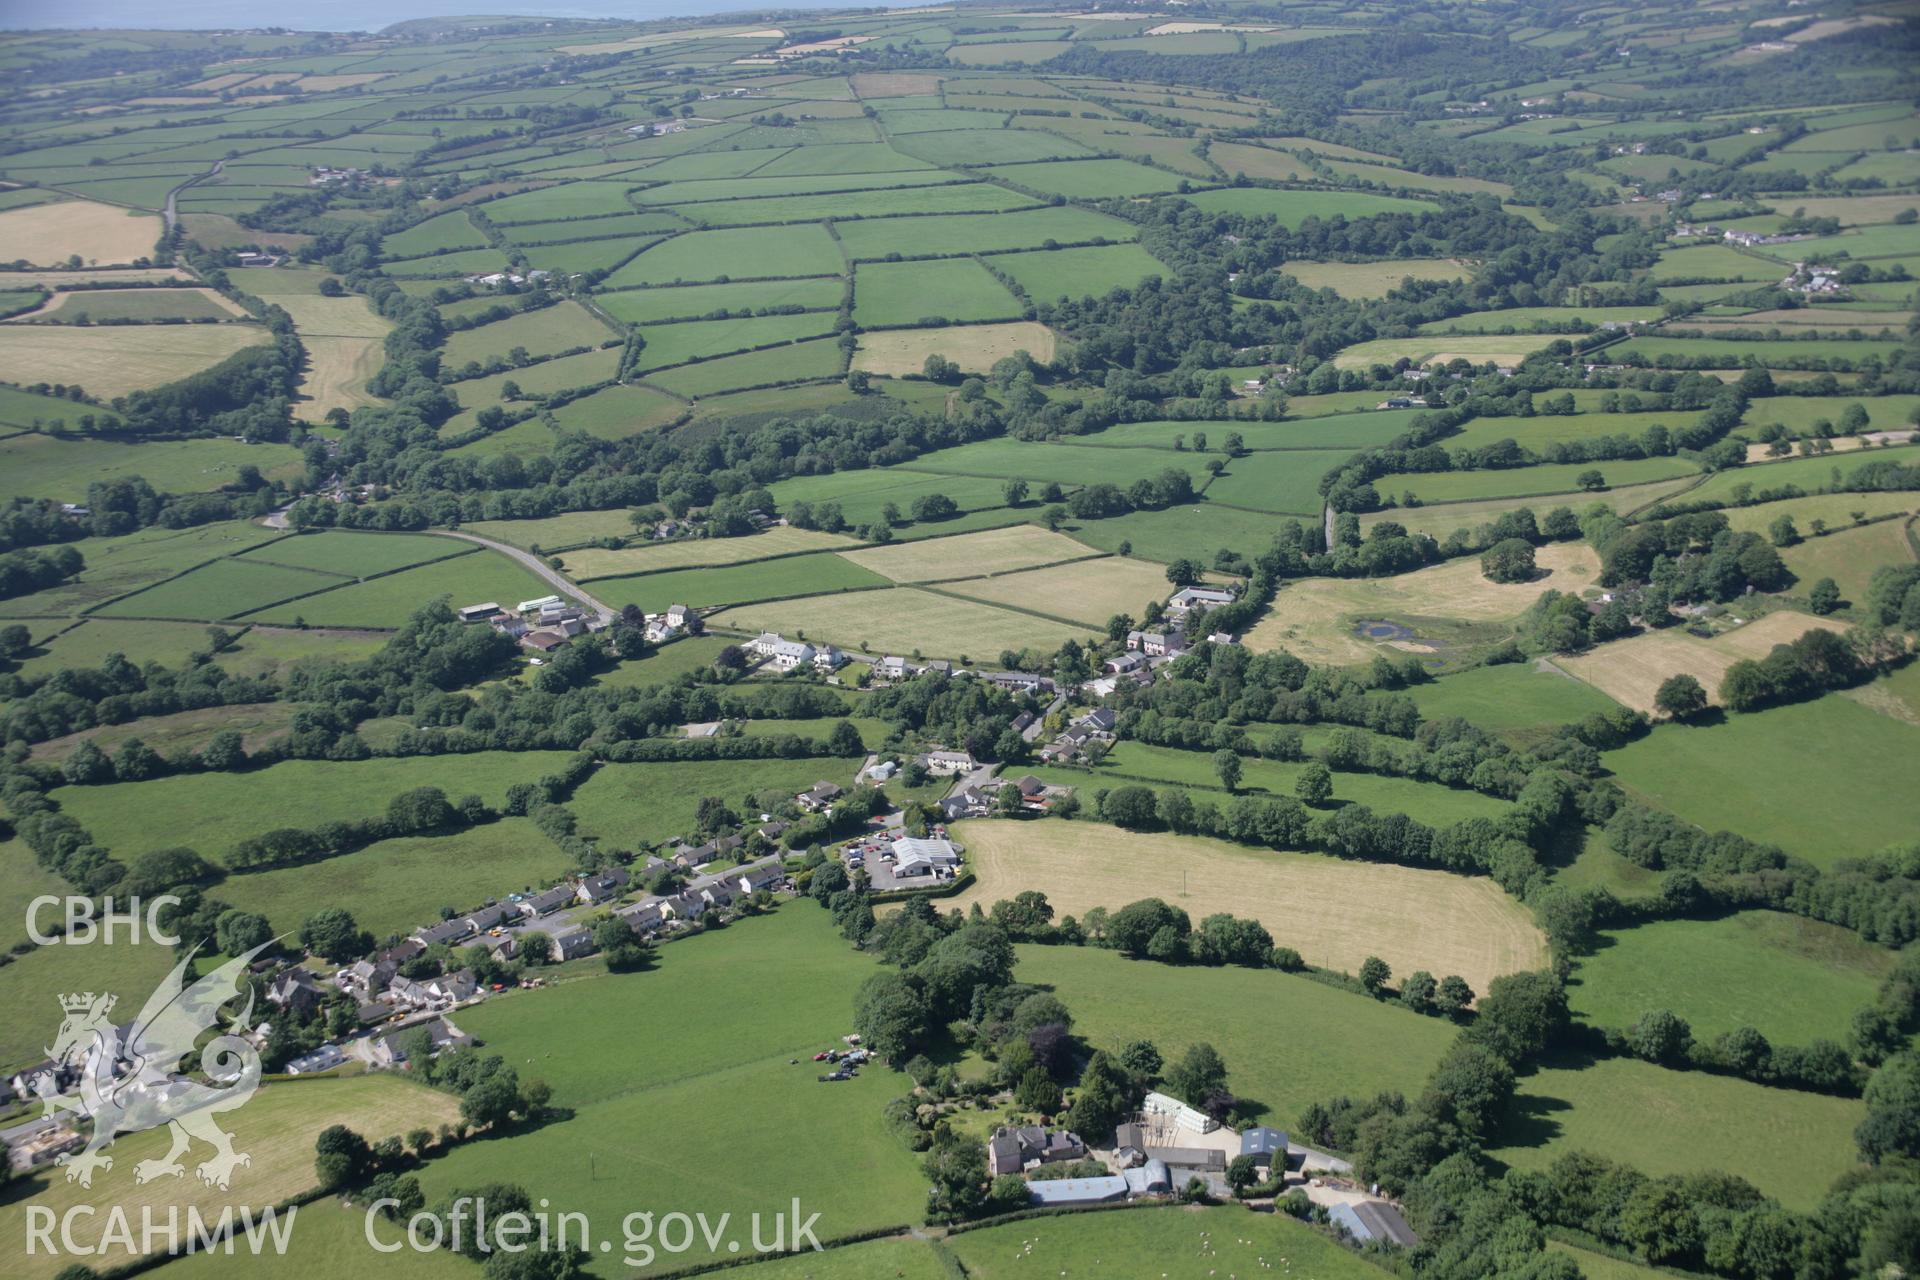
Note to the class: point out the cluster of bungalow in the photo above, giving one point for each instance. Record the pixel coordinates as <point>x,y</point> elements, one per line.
<point>783,654</point>
<point>1095,726</point>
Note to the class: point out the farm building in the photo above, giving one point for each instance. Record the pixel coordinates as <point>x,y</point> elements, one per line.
<point>1373,1220</point>
<point>1064,1191</point>
<point>1263,1144</point>
<point>1189,598</point>
<point>1149,1179</point>
<point>480,612</point>
<point>1159,1106</point>
<point>914,857</point>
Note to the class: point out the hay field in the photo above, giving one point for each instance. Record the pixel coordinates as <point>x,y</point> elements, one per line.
<point>1631,670</point>
<point>903,620</point>
<point>1373,279</point>
<point>598,562</point>
<point>112,361</point>
<point>1438,349</point>
<point>1089,591</point>
<point>344,339</point>
<point>102,234</point>
<point>1334,912</point>
<point>991,551</point>
<point>276,1128</point>
<point>137,304</point>
<point>973,347</point>
<point>1314,618</point>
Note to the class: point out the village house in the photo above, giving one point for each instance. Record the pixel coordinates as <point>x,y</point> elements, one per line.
<point>603,887</point>
<point>788,655</point>
<point>817,799</point>
<point>389,1051</point>
<point>947,763</point>
<point>487,917</point>
<point>365,980</point>
<point>445,931</point>
<point>1164,643</point>
<point>547,901</point>
<point>1018,681</point>
<point>1098,723</point>
<point>970,802</point>
<point>296,991</point>
<point>571,944</point>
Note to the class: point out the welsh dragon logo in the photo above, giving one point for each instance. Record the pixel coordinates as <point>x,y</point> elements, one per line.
<point>151,1090</point>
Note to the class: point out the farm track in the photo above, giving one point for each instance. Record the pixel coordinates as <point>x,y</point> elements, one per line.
<point>539,567</point>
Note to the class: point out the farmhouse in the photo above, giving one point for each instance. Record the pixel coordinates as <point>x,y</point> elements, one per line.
<point>947,763</point>
<point>788,655</point>
<point>1018,681</point>
<point>1373,1220</point>
<point>1014,1148</point>
<point>1164,643</point>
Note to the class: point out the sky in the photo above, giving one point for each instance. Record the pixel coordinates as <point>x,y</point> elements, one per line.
<point>348,15</point>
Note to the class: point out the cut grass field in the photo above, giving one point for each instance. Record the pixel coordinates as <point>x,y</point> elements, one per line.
<point>114,360</point>
<point>1087,591</point>
<point>355,554</point>
<point>1792,979</point>
<point>691,302</point>
<point>641,1058</point>
<point>1798,413</point>
<point>1314,619</point>
<point>959,290</point>
<point>1503,349</point>
<point>1797,776</point>
<point>60,468</point>
<point>141,305</point>
<point>904,620</point>
<point>864,495</point>
<point>1809,474</point>
<point>747,254</point>
<point>974,348</point>
<point>259,723</point>
<point>1373,279</point>
<point>325,1233</point>
<point>799,362</point>
<point>1282,481</point>
<point>1220,1240</point>
<point>1051,274</point>
<point>673,344</point>
<point>597,562</point>
<point>1558,428</point>
<point>873,238</point>
<point>1791,1145</point>
<point>1850,556</point>
<point>49,234</point>
<point>276,1128</point>
<point>704,586</point>
<point>223,589</point>
<point>990,551</point>
<point>1335,913</point>
<point>1632,670</point>
<point>614,413</point>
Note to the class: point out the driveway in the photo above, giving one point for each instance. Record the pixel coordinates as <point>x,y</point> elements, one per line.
<point>1033,731</point>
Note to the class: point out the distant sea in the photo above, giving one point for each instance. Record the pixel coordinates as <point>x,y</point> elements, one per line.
<point>355,15</point>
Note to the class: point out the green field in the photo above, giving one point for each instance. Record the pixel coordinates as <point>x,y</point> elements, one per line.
<point>863,494</point>
<point>1794,980</point>
<point>1282,481</point>
<point>545,332</point>
<point>736,584</point>
<point>389,601</point>
<point>1515,700</point>
<point>1798,413</point>
<point>978,233</point>
<point>1810,474</point>
<point>672,344</point>
<point>1797,776</point>
<point>645,803</point>
<point>1426,802</point>
<point>1336,1042</point>
<point>1543,429</point>
<point>674,1076</point>
<point>1069,464</point>
<point>801,361</point>
<point>694,302</point>
<point>1196,530</point>
<point>1791,1145</point>
<point>326,1232</point>
<point>398,885</point>
<point>1850,556</point>
<point>98,306</point>
<point>1090,179</point>
<point>1291,208</point>
<point>957,289</point>
<point>1223,1241</point>
<point>1734,353</point>
<point>1051,274</point>
<point>223,589</point>
<point>61,468</point>
<point>446,231</point>
<point>214,811</point>
<point>1550,479</point>
<point>747,254</point>
<point>119,565</point>
<point>618,412</point>
<point>970,197</point>
<point>344,551</point>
